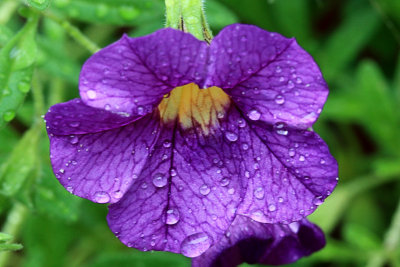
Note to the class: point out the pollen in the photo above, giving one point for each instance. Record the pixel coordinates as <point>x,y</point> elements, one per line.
<point>192,107</point>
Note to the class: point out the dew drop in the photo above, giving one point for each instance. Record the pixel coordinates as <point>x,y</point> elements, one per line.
<point>73,139</point>
<point>74,124</point>
<point>254,115</point>
<point>279,99</point>
<point>318,201</point>
<point>294,226</point>
<point>70,189</point>
<point>292,152</point>
<point>195,245</point>
<point>172,172</point>
<point>167,144</point>
<point>259,216</point>
<point>290,85</point>
<point>280,128</point>
<point>302,158</point>
<point>322,161</point>
<point>272,207</point>
<point>204,190</point>
<point>245,146</point>
<point>159,180</point>
<point>61,170</point>
<point>91,94</point>
<point>117,194</point>
<point>259,193</point>
<point>101,197</point>
<point>172,216</point>
<point>231,191</point>
<point>241,123</point>
<point>278,69</point>
<point>107,107</point>
<point>247,174</point>
<point>280,199</point>
<point>231,136</point>
<point>224,181</point>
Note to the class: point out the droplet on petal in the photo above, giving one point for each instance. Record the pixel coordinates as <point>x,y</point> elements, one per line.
<point>204,190</point>
<point>195,245</point>
<point>101,197</point>
<point>254,115</point>
<point>172,216</point>
<point>160,180</point>
<point>231,136</point>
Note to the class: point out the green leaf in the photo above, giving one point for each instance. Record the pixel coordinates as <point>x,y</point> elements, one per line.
<point>16,66</point>
<point>39,4</point>
<point>141,259</point>
<point>10,247</point>
<point>116,12</point>
<point>5,35</point>
<point>348,40</point>
<point>361,237</point>
<point>218,15</point>
<point>14,172</point>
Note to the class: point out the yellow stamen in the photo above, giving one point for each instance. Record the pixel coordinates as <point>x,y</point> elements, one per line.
<point>194,107</point>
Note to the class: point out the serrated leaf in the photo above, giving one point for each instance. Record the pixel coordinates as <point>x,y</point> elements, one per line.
<point>16,66</point>
<point>14,172</point>
<point>116,12</point>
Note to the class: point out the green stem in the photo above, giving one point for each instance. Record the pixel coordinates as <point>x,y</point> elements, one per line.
<point>74,32</point>
<point>12,227</point>
<point>188,16</point>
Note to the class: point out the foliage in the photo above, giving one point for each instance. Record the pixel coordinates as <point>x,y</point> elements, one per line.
<point>43,43</point>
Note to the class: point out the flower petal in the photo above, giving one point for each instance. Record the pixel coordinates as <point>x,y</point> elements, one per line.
<point>74,117</point>
<point>270,77</point>
<point>290,174</point>
<point>253,242</point>
<point>99,166</point>
<point>133,74</point>
<point>188,192</point>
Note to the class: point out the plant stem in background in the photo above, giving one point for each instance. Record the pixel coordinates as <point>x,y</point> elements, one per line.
<point>12,227</point>
<point>188,16</point>
<point>74,32</point>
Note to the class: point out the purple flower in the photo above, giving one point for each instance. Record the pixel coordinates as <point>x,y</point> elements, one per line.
<point>211,171</point>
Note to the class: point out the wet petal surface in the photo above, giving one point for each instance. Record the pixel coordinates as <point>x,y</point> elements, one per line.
<point>99,166</point>
<point>133,74</point>
<point>253,242</point>
<point>187,195</point>
<point>270,77</point>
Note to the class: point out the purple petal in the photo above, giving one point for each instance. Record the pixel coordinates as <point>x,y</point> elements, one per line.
<point>99,166</point>
<point>270,77</point>
<point>253,242</point>
<point>187,195</point>
<point>74,117</point>
<point>133,74</point>
<point>290,174</point>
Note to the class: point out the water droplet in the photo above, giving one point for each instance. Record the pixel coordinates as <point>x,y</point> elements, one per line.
<point>292,152</point>
<point>280,128</point>
<point>245,146</point>
<point>290,84</point>
<point>259,193</point>
<point>195,245</point>
<point>160,180</point>
<point>8,115</point>
<point>231,136</point>
<point>279,99</point>
<point>294,226</point>
<point>172,172</point>
<point>280,199</point>
<point>91,94</point>
<point>318,201</point>
<point>302,158</point>
<point>101,197</point>
<point>144,186</point>
<point>117,194</point>
<point>322,161</point>
<point>74,124</point>
<point>247,174</point>
<point>167,143</point>
<point>204,190</point>
<point>224,181</point>
<point>107,107</point>
<point>278,69</point>
<point>272,207</point>
<point>172,216</point>
<point>140,110</point>
<point>241,123</point>
<point>70,189</point>
<point>73,139</point>
<point>61,170</point>
<point>259,216</point>
<point>254,115</point>
<point>231,191</point>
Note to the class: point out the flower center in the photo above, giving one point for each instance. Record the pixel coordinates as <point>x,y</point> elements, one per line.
<point>194,108</point>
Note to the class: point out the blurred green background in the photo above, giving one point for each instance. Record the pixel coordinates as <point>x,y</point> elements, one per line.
<point>42,47</point>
